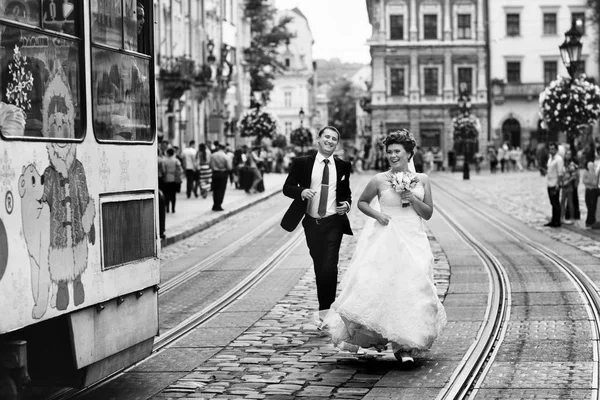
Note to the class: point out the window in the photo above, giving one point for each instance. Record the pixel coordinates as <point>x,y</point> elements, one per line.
<point>430,77</point>
<point>549,23</point>
<point>430,137</point>
<point>579,19</point>
<point>465,74</point>
<point>397,81</point>
<point>464,26</point>
<point>513,25</point>
<point>288,128</point>
<point>287,99</point>
<point>121,104</point>
<point>550,71</point>
<point>430,28</point>
<point>287,62</point>
<point>396,27</point>
<point>41,88</point>
<point>513,72</point>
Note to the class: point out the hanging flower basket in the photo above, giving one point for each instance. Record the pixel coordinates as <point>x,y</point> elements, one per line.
<point>566,104</point>
<point>257,123</point>
<point>466,129</point>
<point>301,137</point>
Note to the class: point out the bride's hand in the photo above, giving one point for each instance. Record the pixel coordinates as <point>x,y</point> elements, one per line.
<point>383,219</point>
<point>407,196</point>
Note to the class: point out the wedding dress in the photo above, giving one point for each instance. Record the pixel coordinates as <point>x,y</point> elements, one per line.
<point>388,293</point>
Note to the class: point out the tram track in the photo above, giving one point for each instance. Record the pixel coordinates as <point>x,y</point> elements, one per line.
<point>469,375</point>
<point>197,319</point>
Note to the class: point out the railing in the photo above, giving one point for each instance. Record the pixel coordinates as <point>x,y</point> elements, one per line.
<point>176,75</point>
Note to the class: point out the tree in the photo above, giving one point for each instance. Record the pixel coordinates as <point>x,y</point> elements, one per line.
<point>267,37</point>
<point>342,108</point>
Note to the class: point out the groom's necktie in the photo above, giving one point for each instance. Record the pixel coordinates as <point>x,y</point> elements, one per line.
<point>324,189</point>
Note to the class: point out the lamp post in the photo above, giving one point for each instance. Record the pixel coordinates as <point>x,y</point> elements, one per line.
<point>301,117</point>
<point>464,108</point>
<point>570,52</point>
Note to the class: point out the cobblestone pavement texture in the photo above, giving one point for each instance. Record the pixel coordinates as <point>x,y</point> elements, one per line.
<point>282,356</point>
<point>523,195</point>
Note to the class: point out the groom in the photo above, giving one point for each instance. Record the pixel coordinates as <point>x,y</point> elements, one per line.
<point>319,185</point>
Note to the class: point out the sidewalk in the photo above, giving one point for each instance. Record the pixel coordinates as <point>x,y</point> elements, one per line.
<point>195,214</point>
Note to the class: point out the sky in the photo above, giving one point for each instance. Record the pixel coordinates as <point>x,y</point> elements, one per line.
<point>340,28</point>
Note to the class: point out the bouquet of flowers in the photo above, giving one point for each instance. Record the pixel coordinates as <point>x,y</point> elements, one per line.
<point>568,103</point>
<point>402,181</point>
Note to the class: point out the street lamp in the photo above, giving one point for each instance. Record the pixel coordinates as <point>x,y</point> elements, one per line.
<point>570,49</point>
<point>301,116</point>
<point>464,107</point>
<point>570,52</point>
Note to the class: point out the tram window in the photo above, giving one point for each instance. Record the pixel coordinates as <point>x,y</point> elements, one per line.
<point>120,81</point>
<point>40,92</point>
<point>120,24</point>
<point>120,96</point>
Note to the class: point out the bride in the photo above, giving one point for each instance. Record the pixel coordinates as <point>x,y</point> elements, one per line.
<point>388,293</point>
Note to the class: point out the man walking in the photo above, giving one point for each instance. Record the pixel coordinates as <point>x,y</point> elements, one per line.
<point>220,165</point>
<point>189,161</point>
<point>556,170</point>
<point>320,187</point>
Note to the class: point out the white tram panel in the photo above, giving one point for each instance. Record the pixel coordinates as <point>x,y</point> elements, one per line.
<point>53,227</point>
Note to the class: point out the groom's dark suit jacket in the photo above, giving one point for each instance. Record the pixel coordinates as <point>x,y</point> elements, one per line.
<point>299,179</point>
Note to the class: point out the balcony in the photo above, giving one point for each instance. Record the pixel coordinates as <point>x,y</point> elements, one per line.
<point>176,76</point>
<point>524,91</point>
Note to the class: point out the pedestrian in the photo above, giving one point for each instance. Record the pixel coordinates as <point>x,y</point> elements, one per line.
<point>428,159</point>
<point>204,171</point>
<point>320,187</point>
<point>555,171</point>
<point>191,166</point>
<point>451,160</point>
<point>418,160</point>
<point>493,159</point>
<point>220,165</point>
<point>590,181</point>
<point>388,292</point>
<point>568,185</point>
<point>255,175</point>
<point>438,159</point>
<point>172,178</point>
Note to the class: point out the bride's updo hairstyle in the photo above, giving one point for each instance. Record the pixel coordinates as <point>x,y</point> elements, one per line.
<point>403,137</point>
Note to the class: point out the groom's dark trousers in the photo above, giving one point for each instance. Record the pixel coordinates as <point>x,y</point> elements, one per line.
<point>324,235</point>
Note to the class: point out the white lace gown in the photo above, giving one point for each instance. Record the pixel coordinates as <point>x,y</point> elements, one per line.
<point>388,292</point>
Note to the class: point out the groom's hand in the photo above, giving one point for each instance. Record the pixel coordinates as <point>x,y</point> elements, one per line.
<point>308,194</point>
<point>342,208</point>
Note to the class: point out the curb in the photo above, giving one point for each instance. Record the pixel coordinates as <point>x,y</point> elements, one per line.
<point>207,224</point>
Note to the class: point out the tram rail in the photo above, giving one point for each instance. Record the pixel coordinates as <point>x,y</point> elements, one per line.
<point>199,318</point>
<point>468,377</point>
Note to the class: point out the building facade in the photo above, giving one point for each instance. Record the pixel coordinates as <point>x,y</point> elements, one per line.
<point>524,54</point>
<point>202,85</point>
<point>295,88</point>
<point>420,51</point>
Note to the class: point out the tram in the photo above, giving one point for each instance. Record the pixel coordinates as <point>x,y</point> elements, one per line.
<point>79,267</point>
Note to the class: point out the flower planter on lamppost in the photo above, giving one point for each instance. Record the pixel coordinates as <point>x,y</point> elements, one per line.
<point>301,136</point>
<point>466,129</point>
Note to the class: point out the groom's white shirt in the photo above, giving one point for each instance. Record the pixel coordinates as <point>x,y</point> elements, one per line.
<point>315,184</point>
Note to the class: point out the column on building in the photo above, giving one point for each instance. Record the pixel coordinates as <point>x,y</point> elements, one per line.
<point>413,31</point>
<point>414,76</point>
<point>480,21</point>
<point>448,87</point>
<point>481,76</point>
<point>447,21</point>
<point>379,83</point>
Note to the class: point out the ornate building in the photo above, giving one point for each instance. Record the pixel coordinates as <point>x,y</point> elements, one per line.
<point>524,56</point>
<point>295,89</point>
<point>420,51</point>
<point>201,81</point>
